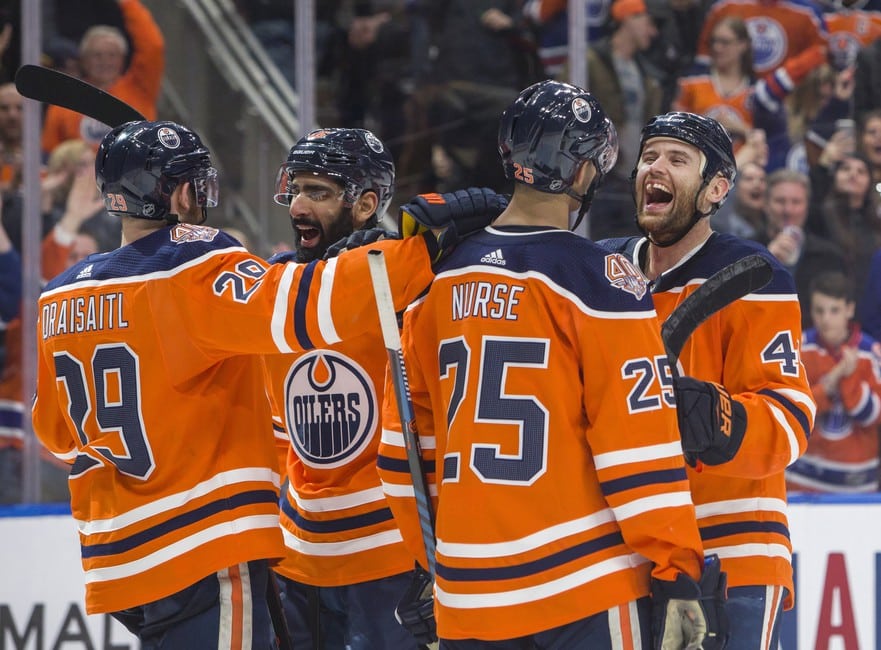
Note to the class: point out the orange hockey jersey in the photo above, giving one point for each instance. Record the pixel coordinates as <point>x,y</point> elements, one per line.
<point>752,348</point>
<point>850,30</point>
<point>842,455</point>
<point>326,403</point>
<point>150,384</point>
<point>779,29</point>
<point>536,374</point>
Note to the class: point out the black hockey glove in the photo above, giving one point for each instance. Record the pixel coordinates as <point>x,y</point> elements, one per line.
<point>356,239</point>
<point>415,611</point>
<point>687,615</point>
<point>711,424</point>
<point>457,214</point>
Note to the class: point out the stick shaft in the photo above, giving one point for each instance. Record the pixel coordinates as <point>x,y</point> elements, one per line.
<point>391,336</point>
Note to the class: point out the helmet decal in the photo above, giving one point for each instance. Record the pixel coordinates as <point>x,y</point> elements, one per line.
<point>168,138</point>
<point>581,109</point>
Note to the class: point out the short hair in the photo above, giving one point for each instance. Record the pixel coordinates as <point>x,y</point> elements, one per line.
<point>785,175</point>
<point>832,283</point>
<point>101,31</point>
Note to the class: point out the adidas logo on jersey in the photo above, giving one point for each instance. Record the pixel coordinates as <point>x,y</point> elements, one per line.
<point>495,257</point>
<point>85,273</point>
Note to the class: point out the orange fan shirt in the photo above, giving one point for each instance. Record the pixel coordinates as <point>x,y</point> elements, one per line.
<point>752,348</point>
<point>842,454</point>
<point>535,367</point>
<point>139,86</point>
<point>151,385</point>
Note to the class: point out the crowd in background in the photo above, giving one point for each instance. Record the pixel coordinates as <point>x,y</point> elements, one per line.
<point>797,84</point>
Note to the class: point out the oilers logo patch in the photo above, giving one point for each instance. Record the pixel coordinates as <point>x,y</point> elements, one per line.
<point>184,232</point>
<point>373,142</point>
<point>330,408</point>
<point>623,274</point>
<point>168,137</point>
<point>581,109</point>
<point>769,41</point>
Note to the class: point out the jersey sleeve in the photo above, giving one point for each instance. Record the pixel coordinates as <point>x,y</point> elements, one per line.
<point>235,302</point>
<point>49,421</point>
<point>148,49</point>
<point>861,391</point>
<point>762,370</point>
<point>635,442</point>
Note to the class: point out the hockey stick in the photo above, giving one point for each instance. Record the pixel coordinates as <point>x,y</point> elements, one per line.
<point>727,285</point>
<point>389,322</point>
<point>276,614</point>
<point>54,87</point>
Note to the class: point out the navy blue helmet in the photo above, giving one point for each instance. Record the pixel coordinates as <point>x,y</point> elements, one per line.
<point>705,133</point>
<point>549,131</point>
<point>356,158</point>
<point>139,165</point>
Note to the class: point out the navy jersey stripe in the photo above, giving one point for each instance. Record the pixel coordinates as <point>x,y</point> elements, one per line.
<point>336,525</point>
<point>641,480</point>
<point>300,307</point>
<point>536,566</point>
<point>793,409</point>
<point>182,520</point>
<point>744,527</point>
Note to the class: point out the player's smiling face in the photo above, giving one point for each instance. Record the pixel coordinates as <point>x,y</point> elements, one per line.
<point>667,179</point>
<point>319,215</point>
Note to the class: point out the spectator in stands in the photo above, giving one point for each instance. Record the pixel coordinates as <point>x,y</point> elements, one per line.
<point>484,57</point>
<point>10,137</point>
<point>550,19</point>
<point>724,91</point>
<point>103,52</point>
<point>802,252</point>
<point>849,211</point>
<point>844,369</point>
<point>869,144</point>
<point>779,29</point>
<point>630,97</point>
<point>867,81</point>
<point>850,30</point>
<point>744,216</point>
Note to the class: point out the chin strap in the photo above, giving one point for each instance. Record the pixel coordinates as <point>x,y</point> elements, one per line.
<point>586,199</point>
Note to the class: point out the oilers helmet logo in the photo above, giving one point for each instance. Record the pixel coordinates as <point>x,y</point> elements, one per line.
<point>330,408</point>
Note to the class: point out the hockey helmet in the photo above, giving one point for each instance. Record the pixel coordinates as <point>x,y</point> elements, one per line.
<point>139,165</point>
<point>356,158</point>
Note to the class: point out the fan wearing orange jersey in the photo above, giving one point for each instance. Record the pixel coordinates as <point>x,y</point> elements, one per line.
<point>744,404</point>
<point>345,566</point>
<point>844,368</point>
<point>150,384</point>
<point>561,497</point>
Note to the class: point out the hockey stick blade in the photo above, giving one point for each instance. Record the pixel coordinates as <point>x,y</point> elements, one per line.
<point>389,323</point>
<point>727,285</point>
<point>54,87</point>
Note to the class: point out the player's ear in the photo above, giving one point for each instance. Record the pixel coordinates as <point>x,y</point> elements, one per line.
<point>364,208</point>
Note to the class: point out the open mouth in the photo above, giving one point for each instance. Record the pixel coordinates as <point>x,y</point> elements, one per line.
<point>309,235</point>
<point>657,196</point>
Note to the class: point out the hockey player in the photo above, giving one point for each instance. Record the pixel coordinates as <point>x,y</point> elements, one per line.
<point>345,566</point>
<point>744,406</point>
<point>150,385</point>
<point>561,491</point>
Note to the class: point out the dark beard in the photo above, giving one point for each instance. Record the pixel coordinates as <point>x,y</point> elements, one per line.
<point>339,229</point>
